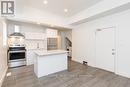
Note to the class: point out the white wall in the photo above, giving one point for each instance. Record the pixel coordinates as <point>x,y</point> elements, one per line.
<point>3,55</point>
<point>63,34</point>
<point>84,40</point>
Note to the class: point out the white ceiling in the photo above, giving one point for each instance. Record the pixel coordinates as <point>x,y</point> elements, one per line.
<point>58,6</point>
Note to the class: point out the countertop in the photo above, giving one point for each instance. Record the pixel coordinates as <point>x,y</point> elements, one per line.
<point>36,49</point>
<point>52,52</point>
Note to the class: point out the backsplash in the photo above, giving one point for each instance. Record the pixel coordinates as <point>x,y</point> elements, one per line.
<point>27,27</point>
<point>36,44</point>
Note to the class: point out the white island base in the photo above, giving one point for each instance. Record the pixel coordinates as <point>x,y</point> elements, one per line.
<point>49,62</point>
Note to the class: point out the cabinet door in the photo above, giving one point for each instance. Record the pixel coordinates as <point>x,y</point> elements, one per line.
<point>51,33</point>
<point>35,36</point>
<point>30,57</point>
<point>39,36</point>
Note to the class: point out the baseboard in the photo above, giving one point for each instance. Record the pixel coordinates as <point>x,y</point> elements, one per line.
<point>92,65</point>
<point>77,61</point>
<point>3,76</point>
<point>123,74</point>
<point>117,73</point>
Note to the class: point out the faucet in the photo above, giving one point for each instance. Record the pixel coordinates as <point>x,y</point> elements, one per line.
<point>37,45</point>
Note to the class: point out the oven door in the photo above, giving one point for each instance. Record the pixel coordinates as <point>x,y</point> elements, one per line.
<point>17,56</point>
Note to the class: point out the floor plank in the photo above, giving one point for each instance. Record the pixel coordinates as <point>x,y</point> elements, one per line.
<point>78,75</point>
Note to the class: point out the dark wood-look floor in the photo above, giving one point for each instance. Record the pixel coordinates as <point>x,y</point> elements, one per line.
<point>78,76</point>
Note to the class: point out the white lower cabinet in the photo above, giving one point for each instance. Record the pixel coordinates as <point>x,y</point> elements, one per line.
<point>30,57</point>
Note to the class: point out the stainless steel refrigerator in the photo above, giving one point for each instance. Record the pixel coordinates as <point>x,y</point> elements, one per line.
<point>52,44</point>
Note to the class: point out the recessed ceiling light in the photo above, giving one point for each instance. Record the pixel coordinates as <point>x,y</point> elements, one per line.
<point>65,10</point>
<point>45,2</point>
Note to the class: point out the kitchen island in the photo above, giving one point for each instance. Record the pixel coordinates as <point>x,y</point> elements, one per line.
<point>49,62</point>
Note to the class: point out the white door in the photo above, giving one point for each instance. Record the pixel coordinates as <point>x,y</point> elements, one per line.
<point>105,49</point>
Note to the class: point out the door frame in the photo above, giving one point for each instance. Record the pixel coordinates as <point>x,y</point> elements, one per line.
<point>115,44</point>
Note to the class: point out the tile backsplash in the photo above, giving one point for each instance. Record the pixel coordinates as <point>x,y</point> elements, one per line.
<point>36,44</point>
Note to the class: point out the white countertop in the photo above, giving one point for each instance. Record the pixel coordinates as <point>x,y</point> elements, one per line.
<point>52,52</point>
<point>40,49</point>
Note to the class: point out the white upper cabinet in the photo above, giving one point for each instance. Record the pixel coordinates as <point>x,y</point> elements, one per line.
<point>35,36</point>
<point>51,33</point>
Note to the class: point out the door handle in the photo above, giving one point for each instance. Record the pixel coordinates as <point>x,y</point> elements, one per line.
<point>113,53</point>
<point>113,49</point>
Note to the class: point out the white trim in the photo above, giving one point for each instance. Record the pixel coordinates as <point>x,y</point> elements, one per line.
<point>117,73</point>
<point>3,76</point>
<point>4,33</point>
<point>76,60</point>
<point>123,74</point>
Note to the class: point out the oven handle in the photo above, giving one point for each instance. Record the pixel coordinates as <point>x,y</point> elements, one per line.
<point>17,51</point>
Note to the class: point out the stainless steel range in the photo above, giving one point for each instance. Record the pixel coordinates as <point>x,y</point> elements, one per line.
<point>16,51</point>
<point>16,56</point>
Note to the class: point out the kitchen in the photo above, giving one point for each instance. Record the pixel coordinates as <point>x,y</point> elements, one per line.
<point>25,42</point>
<point>79,43</point>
